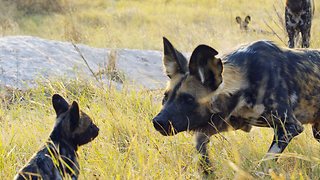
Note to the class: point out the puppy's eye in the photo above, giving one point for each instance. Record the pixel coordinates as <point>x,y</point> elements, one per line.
<point>165,98</point>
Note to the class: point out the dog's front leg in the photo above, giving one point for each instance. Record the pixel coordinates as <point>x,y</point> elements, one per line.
<point>202,139</point>
<point>216,125</point>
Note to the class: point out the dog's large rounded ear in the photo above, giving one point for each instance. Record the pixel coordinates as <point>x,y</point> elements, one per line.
<point>60,105</point>
<point>74,116</point>
<point>173,60</point>
<point>206,67</point>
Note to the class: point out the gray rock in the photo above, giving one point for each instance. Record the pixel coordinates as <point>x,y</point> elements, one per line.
<point>26,61</point>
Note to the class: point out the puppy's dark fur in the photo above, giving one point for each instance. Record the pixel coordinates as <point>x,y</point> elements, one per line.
<point>57,159</point>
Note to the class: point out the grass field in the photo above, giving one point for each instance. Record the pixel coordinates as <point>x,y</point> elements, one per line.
<point>141,24</point>
<point>128,147</point>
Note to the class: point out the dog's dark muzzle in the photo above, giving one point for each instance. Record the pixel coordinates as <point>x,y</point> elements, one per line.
<point>163,124</point>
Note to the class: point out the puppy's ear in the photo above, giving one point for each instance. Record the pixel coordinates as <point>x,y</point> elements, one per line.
<point>247,19</point>
<point>238,20</point>
<point>173,60</point>
<point>60,105</point>
<point>74,116</point>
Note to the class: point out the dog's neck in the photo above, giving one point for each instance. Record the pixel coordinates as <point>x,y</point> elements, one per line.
<point>56,138</point>
<point>66,151</point>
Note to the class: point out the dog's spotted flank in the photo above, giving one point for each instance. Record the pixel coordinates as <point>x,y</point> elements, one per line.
<point>57,159</point>
<point>259,84</point>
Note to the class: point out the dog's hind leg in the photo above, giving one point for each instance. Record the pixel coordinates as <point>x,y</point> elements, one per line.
<point>283,134</point>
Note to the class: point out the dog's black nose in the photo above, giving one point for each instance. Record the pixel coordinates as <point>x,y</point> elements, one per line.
<point>159,125</point>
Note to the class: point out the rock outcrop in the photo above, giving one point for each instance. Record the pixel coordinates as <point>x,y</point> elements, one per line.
<point>26,61</point>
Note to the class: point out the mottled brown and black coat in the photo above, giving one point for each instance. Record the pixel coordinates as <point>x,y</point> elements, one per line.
<point>298,19</point>
<point>259,84</point>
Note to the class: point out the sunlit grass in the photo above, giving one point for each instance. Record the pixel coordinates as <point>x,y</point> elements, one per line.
<point>141,24</point>
<point>128,147</point>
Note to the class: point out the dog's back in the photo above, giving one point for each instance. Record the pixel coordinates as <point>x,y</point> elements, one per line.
<point>40,166</point>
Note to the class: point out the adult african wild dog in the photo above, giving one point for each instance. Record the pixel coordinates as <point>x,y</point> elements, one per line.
<point>259,84</point>
<point>298,17</point>
<point>57,159</point>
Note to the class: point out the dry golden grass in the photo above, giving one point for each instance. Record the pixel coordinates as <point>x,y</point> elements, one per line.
<point>141,24</point>
<point>128,147</point>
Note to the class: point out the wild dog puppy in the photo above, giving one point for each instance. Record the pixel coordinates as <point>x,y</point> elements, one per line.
<point>57,159</point>
<point>259,84</point>
<point>298,17</point>
<point>243,23</point>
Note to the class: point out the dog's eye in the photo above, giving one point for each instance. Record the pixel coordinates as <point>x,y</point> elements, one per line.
<point>190,99</point>
<point>187,98</point>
